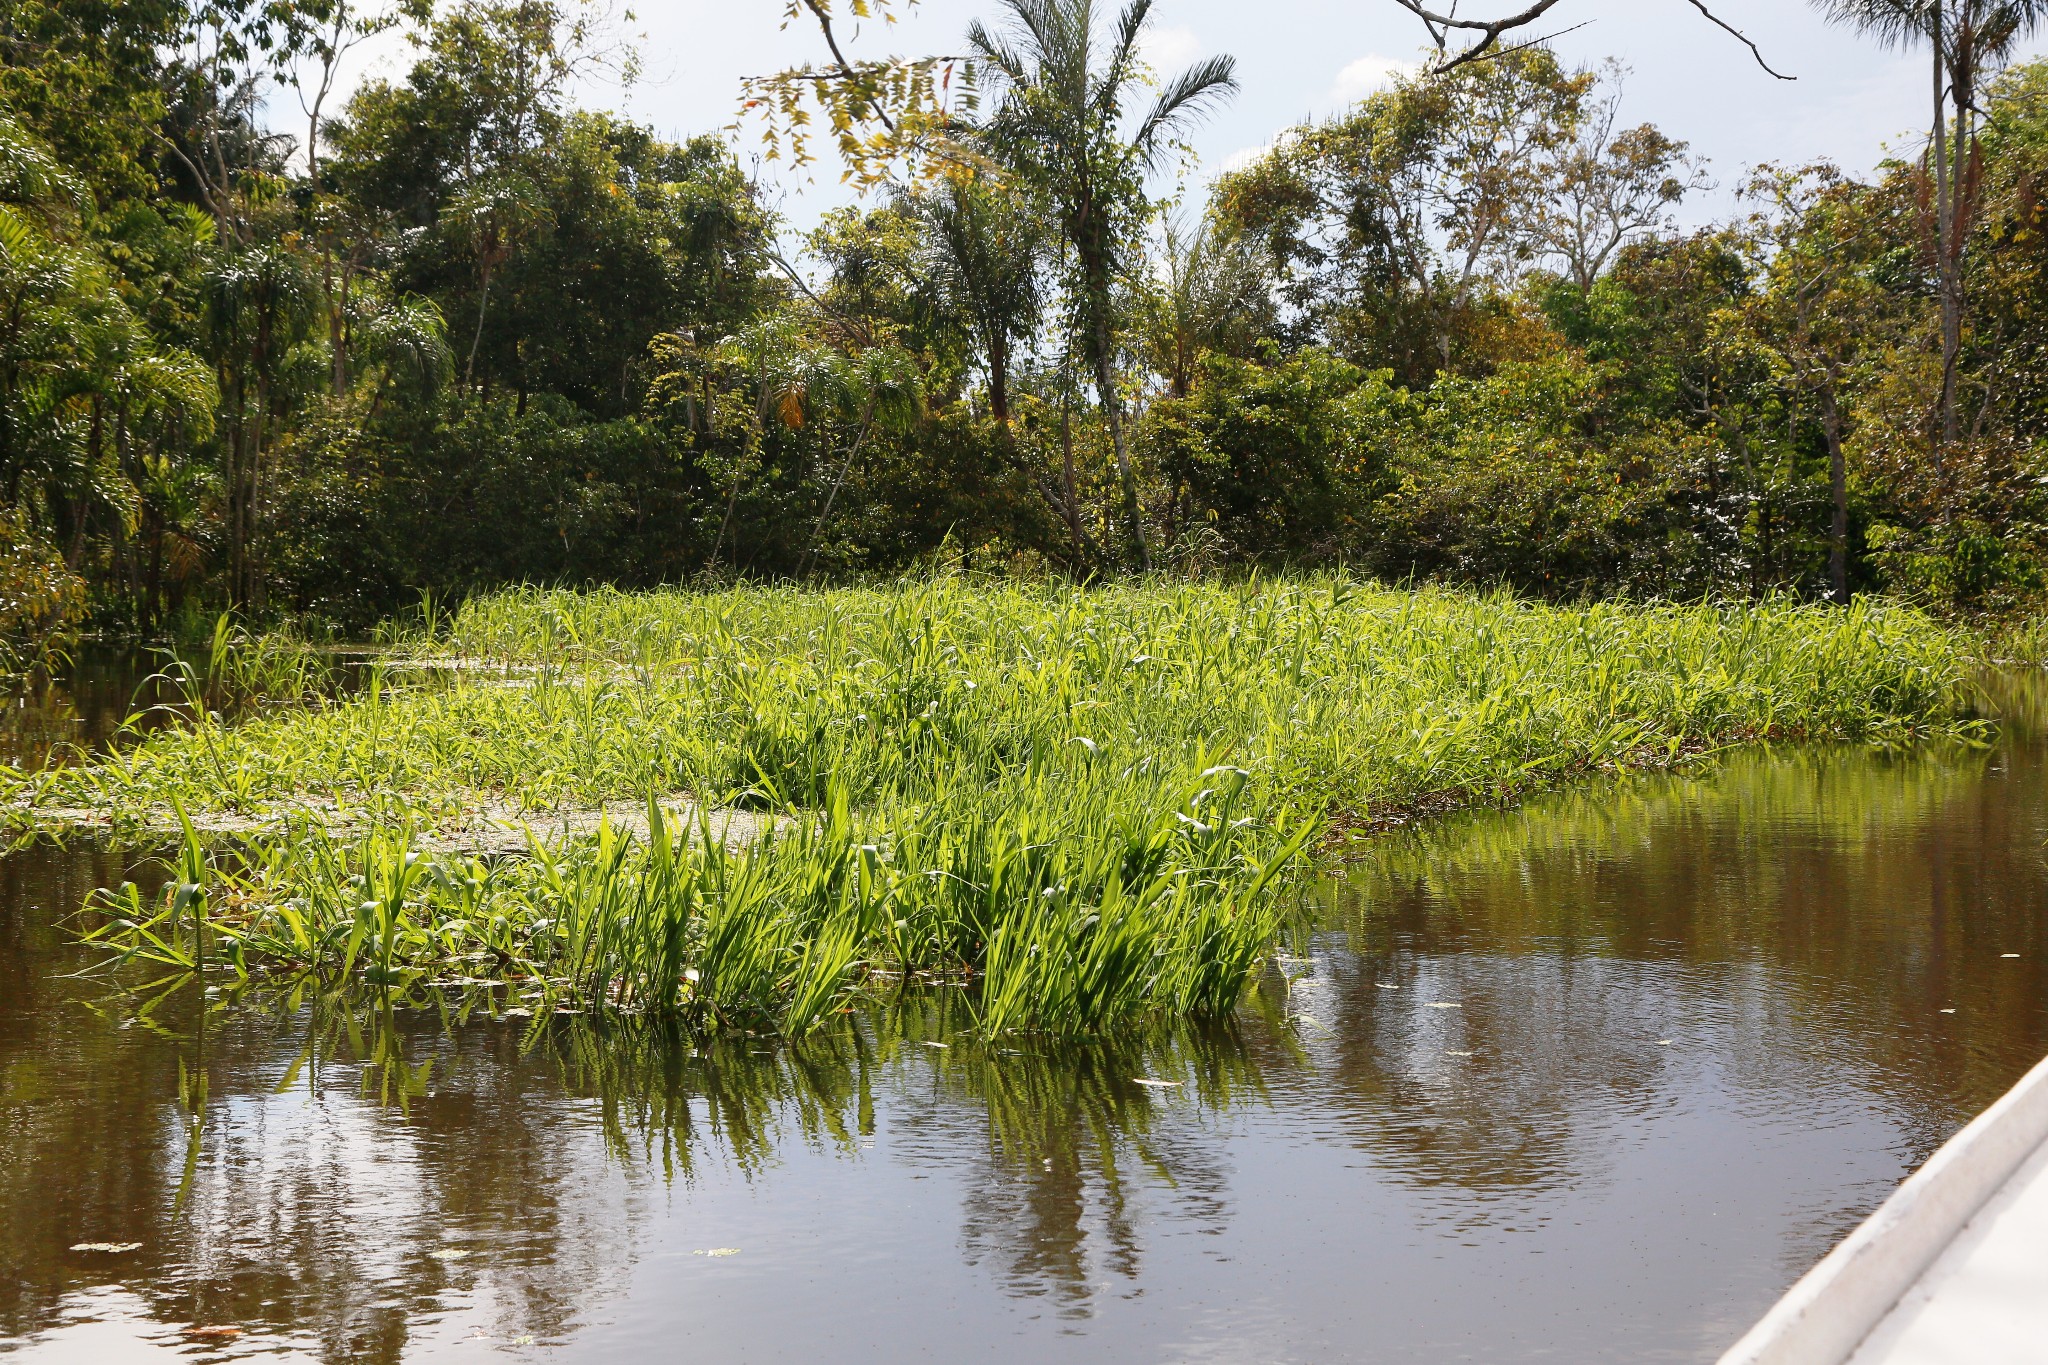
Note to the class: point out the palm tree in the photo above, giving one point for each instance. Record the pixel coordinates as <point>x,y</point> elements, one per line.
<point>1060,125</point>
<point>1966,38</point>
<point>980,258</point>
<point>493,216</point>
<point>408,340</point>
<point>1211,294</point>
<point>259,303</point>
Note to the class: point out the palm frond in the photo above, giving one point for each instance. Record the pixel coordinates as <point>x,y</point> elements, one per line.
<point>1183,99</point>
<point>997,54</point>
<point>1130,26</point>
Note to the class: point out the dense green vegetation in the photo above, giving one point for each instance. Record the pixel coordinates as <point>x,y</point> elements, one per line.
<point>1077,799</point>
<point>455,332</point>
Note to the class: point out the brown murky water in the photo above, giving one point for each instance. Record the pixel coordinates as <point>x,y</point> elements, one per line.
<point>1592,1080</point>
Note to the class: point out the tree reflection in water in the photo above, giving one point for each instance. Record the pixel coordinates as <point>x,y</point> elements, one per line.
<point>1611,1009</point>
<point>356,1170</point>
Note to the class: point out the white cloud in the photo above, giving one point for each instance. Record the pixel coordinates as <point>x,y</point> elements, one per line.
<point>1369,73</point>
<point>1243,157</point>
<point>1166,49</point>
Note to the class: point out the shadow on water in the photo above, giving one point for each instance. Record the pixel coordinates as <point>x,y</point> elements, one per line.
<point>1592,1079</point>
<point>41,718</point>
<point>112,694</point>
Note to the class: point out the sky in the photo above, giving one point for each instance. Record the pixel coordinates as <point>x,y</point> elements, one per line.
<point>1303,59</point>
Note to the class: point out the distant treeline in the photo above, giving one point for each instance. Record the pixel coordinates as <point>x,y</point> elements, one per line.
<point>457,332</point>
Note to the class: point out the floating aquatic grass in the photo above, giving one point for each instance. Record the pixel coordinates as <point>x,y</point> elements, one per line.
<point>1063,931</point>
<point>1078,801</point>
<point>234,668</point>
<point>1338,695</point>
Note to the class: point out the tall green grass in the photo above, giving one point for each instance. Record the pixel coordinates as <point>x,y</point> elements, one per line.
<point>2018,639</point>
<point>1079,801</point>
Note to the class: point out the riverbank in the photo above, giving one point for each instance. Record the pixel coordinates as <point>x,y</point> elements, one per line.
<point>1083,800</point>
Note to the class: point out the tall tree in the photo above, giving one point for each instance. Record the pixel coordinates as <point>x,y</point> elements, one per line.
<point>1211,292</point>
<point>982,256</point>
<point>1391,225</point>
<point>345,28</point>
<point>1822,311</point>
<point>1062,124</point>
<point>86,391</point>
<point>260,301</point>
<point>1966,40</point>
<point>87,77</point>
<point>1612,185</point>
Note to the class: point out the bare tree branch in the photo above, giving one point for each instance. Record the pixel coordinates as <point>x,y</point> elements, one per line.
<point>852,325</point>
<point>1741,37</point>
<point>1486,31</point>
<point>1482,37</point>
<point>1527,43</point>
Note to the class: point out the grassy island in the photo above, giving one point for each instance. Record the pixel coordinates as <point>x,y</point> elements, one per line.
<point>742,806</point>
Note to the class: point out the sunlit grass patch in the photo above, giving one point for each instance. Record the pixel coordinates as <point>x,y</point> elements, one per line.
<point>1080,801</point>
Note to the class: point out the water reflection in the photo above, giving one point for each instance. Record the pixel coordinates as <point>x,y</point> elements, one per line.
<point>346,1174</point>
<point>1592,1079</point>
<point>1829,904</point>
<point>42,719</point>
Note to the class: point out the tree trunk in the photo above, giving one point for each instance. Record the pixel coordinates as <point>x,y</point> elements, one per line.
<point>483,300</point>
<point>852,454</point>
<point>237,458</point>
<point>1944,232</point>
<point>254,560</point>
<point>1112,409</point>
<point>999,380</point>
<point>337,347</point>
<point>153,574</point>
<point>1072,511</point>
<point>81,506</point>
<point>345,338</point>
<point>1093,255</point>
<point>10,380</point>
<point>1838,489</point>
<point>1962,96</point>
<point>124,547</point>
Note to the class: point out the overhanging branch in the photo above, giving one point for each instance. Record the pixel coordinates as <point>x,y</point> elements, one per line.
<point>1484,34</point>
<point>1741,37</point>
<point>1476,39</point>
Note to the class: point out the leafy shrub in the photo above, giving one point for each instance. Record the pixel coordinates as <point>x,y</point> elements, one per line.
<point>1280,458</point>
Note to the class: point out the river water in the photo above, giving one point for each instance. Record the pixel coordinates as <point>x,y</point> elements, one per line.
<point>1589,1080</point>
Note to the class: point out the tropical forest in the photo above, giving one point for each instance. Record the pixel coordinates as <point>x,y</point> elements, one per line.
<point>578,687</point>
<point>457,333</point>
